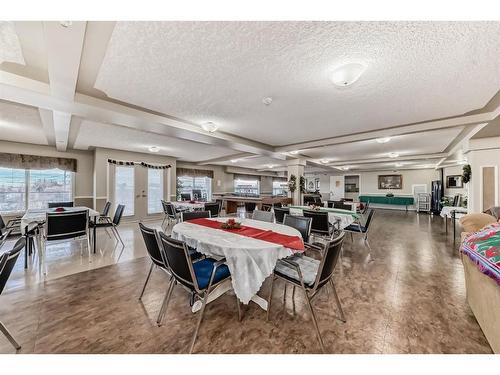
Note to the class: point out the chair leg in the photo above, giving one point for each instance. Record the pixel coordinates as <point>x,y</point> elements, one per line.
<point>163,222</point>
<point>198,324</point>
<point>11,338</point>
<point>166,300</point>
<point>293,299</point>
<point>239,308</point>
<point>147,279</point>
<point>315,321</point>
<point>337,301</point>
<point>269,299</point>
<point>118,235</point>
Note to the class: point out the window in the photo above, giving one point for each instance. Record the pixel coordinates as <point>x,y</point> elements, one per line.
<point>155,190</point>
<point>52,185</point>
<point>125,189</point>
<point>195,186</point>
<point>247,186</point>
<point>280,187</point>
<point>12,190</point>
<point>21,189</point>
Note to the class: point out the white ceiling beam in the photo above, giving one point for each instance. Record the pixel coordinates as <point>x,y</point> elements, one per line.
<point>223,159</point>
<point>64,51</point>
<point>48,125</point>
<point>383,160</point>
<point>23,90</point>
<point>394,131</point>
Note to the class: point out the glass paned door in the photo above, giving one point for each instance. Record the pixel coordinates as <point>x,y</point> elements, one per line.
<point>125,189</point>
<point>155,191</point>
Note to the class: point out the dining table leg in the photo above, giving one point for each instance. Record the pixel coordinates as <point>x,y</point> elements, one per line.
<point>94,239</point>
<point>26,251</point>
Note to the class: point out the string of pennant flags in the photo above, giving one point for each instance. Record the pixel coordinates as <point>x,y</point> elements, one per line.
<point>121,162</point>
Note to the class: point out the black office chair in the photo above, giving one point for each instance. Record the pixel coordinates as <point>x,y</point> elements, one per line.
<point>194,215</point>
<point>60,204</point>
<point>7,262</point>
<point>320,225</point>
<point>301,223</point>
<point>214,209</point>
<point>311,276</point>
<point>112,224</point>
<point>362,229</point>
<point>280,213</point>
<point>63,226</point>
<point>198,278</point>
<point>185,196</point>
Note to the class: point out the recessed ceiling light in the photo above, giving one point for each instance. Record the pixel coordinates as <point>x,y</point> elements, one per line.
<point>383,140</point>
<point>209,127</point>
<point>66,23</point>
<point>154,149</point>
<point>324,161</point>
<point>399,164</point>
<point>344,168</point>
<point>347,74</point>
<point>270,166</point>
<point>295,152</point>
<point>393,155</point>
<point>234,160</point>
<point>267,101</point>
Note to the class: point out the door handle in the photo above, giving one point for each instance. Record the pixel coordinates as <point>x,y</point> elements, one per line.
<point>144,196</point>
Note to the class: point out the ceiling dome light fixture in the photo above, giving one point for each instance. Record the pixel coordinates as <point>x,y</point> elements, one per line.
<point>295,152</point>
<point>324,161</point>
<point>154,149</point>
<point>66,23</point>
<point>347,74</point>
<point>267,100</point>
<point>393,155</point>
<point>383,139</point>
<point>270,166</point>
<point>344,168</point>
<point>234,160</point>
<point>209,127</point>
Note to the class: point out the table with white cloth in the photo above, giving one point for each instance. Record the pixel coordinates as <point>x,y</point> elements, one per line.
<point>453,213</point>
<point>186,205</point>
<point>249,260</point>
<point>343,217</point>
<point>34,217</point>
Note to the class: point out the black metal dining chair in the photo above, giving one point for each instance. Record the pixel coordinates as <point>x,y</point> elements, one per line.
<point>172,215</point>
<point>301,223</point>
<point>185,196</point>
<point>214,208</point>
<point>13,225</point>
<point>60,204</point>
<point>249,208</point>
<point>266,216</point>
<point>199,278</point>
<point>279,214</point>
<point>363,229</point>
<point>311,275</point>
<point>7,262</point>
<point>194,215</point>
<point>340,205</point>
<point>320,225</point>
<point>63,226</point>
<point>112,224</point>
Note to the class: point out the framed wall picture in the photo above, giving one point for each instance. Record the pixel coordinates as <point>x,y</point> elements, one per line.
<point>390,181</point>
<point>454,182</point>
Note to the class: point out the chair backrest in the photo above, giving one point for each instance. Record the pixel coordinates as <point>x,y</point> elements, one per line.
<point>60,204</point>
<point>178,260</point>
<point>347,200</point>
<point>214,208</point>
<point>317,201</point>
<point>320,222</point>
<point>197,194</point>
<point>329,260</point>
<point>341,205</point>
<point>365,208</point>
<point>329,204</point>
<point>190,215</point>
<point>249,206</point>
<point>4,236</point>
<point>280,213</point>
<point>2,224</point>
<point>301,223</point>
<point>118,214</point>
<point>456,200</point>
<point>150,237</point>
<point>369,218</point>
<point>8,260</point>
<point>185,196</point>
<point>105,210</point>
<point>267,216</point>
<point>277,205</point>
<point>308,199</point>
<point>66,224</point>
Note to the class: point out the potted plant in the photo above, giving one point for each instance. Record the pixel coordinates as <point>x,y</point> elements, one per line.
<point>467,172</point>
<point>302,184</point>
<point>292,184</point>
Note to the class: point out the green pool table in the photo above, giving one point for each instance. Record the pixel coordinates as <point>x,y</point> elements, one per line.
<point>382,199</point>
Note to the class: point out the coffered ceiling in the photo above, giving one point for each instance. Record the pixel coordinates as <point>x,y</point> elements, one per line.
<point>130,85</point>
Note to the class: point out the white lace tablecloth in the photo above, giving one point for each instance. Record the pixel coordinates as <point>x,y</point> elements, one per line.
<point>33,217</point>
<point>189,206</point>
<point>446,211</point>
<point>345,219</point>
<point>250,261</point>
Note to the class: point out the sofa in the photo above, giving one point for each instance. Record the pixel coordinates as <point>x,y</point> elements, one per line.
<point>482,276</point>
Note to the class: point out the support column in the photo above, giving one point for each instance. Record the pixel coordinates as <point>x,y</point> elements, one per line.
<point>296,167</point>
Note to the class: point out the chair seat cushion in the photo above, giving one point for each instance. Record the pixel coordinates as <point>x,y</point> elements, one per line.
<point>355,228</point>
<point>308,267</point>
<point>203,271</point>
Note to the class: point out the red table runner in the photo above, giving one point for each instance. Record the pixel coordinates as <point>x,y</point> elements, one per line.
<point>291,242</point>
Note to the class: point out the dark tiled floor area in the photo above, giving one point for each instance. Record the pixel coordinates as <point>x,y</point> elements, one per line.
<point>410,298</point>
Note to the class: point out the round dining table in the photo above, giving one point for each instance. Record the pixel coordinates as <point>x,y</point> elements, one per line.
<point>187,205</point>
<point>249,260</point>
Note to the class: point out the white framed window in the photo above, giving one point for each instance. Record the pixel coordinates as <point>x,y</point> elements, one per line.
<point>247,185</point>
<point>21,189</point>
<point>198,187</point>
<point>155,190</point>
<point>280,187</point>
<point>125,189</point>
